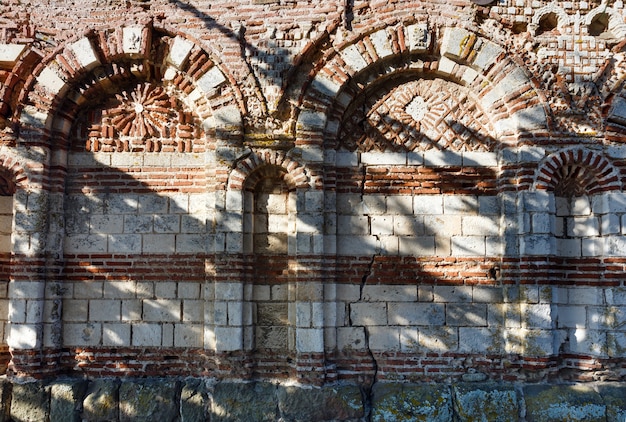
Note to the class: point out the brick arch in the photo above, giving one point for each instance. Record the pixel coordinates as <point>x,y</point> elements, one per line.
<point>505,90</point>
<point>563,18</point>
<point>577,171</point>
<point>105,58</point>
<point>12,170</point>
<point>263,163</point>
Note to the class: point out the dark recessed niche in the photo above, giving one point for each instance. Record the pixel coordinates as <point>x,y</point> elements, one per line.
<point>548,22</point>
<point>519,27</point>
<point>599,24</point>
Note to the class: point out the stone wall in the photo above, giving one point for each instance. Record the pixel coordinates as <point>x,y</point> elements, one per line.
<point>313,192</point>
<point>194,400</point>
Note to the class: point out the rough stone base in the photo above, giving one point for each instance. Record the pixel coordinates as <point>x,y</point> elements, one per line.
<point>185,400</point>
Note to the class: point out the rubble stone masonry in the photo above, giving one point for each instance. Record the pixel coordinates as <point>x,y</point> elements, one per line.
<point>330,194</point>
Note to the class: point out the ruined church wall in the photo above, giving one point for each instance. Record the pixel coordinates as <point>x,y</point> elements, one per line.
<point>411,191</point>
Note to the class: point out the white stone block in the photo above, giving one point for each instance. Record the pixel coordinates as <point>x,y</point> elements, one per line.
<point>85,243</point>
<point>452,294</point>
<point>408,225</point>
<point>537,315</point>
<point>162,310</point>
<point>179,51</point>
<point>537,245</point>
<point>581,206</point>
<point>104,310</point>
<point>418,37</point>
<point>572,317</point>
<point>569,247</point>
<point>212,79</point>
<point>381,43</point>
<point>132,40</point>
<point>542,222</point>
<point>159,243</point>
<point>428,204</point>
<point>480,159</point>
<point>353,58</point>
<point>389,293</point>
<point>384,338</point>
<point>84,53</point>
<point>116,334</point>
<point>610,224</point>
<point>325,85</point>
<point>346,159</point>
<point>479,340</point>
<point>417,245</point>
<point>368,314</point>
<point>310,340</point>
<point>400,205</point>
<point>617,202</point>
<point>446,66</point>
<point>453,42</point>
<point>352,225</point>
<point>50,80</point>
<point>443,225</point>
<point>188,335</point>
<point>229,291</point>
<point>487,55</point>
<point>425,314</point>
<point>148,335</point>
<point>442,158</point>
<point>460,204</point>
<point>351,338</point>
<point>468,245</point>
<point>309,120</point>
<point>588,342</point>
<point>9,54</point>
<point>383,158</point>
<point>480,226</point>
<point>87,334</point>
<point>382,225</point>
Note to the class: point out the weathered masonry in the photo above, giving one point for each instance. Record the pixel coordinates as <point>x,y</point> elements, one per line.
<point>323,192</point>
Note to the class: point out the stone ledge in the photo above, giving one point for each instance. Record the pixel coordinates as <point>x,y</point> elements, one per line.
<point>194,399</point>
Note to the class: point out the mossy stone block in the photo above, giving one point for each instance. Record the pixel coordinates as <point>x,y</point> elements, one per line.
<point>250,402</point>
<point>409,402</point>
<point>485,402</point>
<point>148,401</point>
<point>569,403</point>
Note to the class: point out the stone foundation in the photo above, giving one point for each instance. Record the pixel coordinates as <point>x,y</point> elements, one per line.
<point>193,399</point>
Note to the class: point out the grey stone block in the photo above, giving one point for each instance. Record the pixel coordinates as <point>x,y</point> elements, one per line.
<point>485,402</point>
<point>244,402</point>
<point>149,401</point>
<point>101,401</point>
<point>320,404</point>
<point>194,401</point>
<point>30,402</point>
<point>5,396</point>
<point>66,400</point>
<point>408,402</point>
<point>570,403</point>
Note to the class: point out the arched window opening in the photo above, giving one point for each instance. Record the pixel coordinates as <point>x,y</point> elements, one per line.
<point>576,225</point>
<point>599,26</point>
<point>269,226</point>
<point>548,22</point>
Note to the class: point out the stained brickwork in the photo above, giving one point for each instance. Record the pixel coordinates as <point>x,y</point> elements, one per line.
<point>316,191</point>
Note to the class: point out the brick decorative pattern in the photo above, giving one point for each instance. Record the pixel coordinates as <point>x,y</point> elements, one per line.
<point>361,191</point>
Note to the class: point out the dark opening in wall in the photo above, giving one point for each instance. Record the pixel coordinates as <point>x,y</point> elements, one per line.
<point>519,27</point>
<point>599,25</point>
<point>548,22</point>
